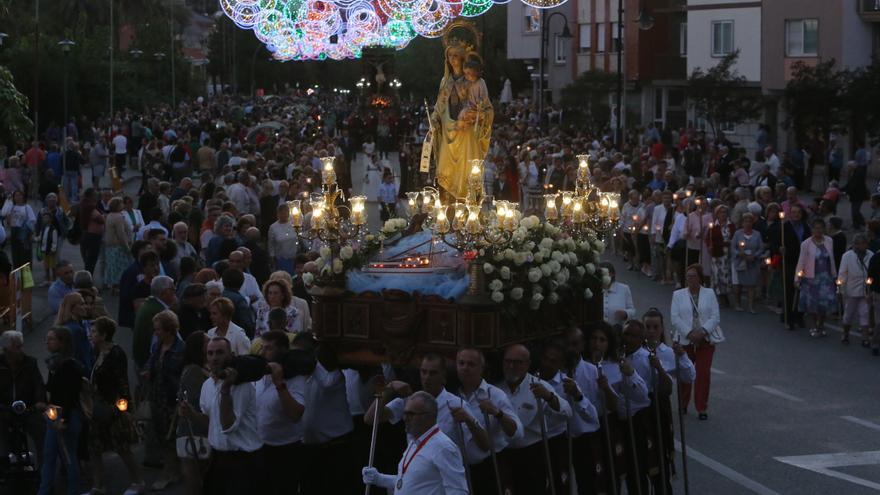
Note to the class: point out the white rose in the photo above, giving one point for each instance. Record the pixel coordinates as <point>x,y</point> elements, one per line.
<point>581,271</point>
<point>546,270</point>
<point>537,289</point>
<point>320,262</point>
<point>520,258</point>
<point>546,243</point>
<point>535,302</point>
<point>572,259</point>
<point>554,285</point>
<point>606,281</point>
<point>603,272</point>
<point>509,253</point>
<point>556,256</point>
<point>539,257</point>
<point>554,266</point>
<point>497,296</point>
<point>599,247</point>
<point>308,278</point>
<point>584,246</point>
<point>553,298</point>
<point>346,252</point>
<point>530,246</point>
<point>591,268</point>
<point>325,252</point>
<point>370,238</point>
<point>535,274</point>
<point>516,293</point>
<point>499,256</point>
<point>588,294</point>
<point>495,285</point>
<point>337,266</point>
<point>488,268</point>
<point>561,277</point>
<point>505,273</point>
<point>537,297</point>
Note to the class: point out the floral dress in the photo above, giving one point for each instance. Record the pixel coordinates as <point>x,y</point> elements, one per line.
<point>817,294</point>
<point>721,265</point>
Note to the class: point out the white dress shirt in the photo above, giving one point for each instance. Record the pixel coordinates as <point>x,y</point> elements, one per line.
<point>250,289</point>
<point>388,192</point>
<point>687,373</point>
<point>583,413</point>
<point>657,220</point>
<point>640,361</point>
<point>677,232</point>
<point>585,376</point>
<point>243,434</point>
<point>853,273</point>
<point>433,469</point>
<point>444,415</point>
<point>618,297</point>
<point>681,315</point>
<point>283,241</point>
<point>238,340</point>
<point>630,388</point>
<point>471,403</point>
<point>275,427</point>
<point>327,416</point>
<point>526,406</point>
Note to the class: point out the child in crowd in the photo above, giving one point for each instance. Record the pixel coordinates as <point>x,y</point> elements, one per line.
<point>48,246</point>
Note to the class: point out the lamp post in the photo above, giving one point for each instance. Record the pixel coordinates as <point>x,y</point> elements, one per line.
<point>66,45</point>
<point>159,56</point>
<point>645,22</point>
<point>545,37</point>
<point>112,66</point>
<point>136,55</point>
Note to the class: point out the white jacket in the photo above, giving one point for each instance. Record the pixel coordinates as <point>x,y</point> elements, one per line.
<point>852,274</point>
<point>681,315</point>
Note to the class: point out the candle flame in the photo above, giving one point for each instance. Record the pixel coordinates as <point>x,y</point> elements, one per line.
<point>122,405</point>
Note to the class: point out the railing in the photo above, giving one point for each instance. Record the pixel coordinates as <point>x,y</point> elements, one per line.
<point>869,10</point>
<point>15,300</point>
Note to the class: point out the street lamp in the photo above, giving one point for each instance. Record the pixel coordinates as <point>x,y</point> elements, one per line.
<point>66,45</point>
<point>136,54</point>
<point>645,22</point>
<point>159,56</point>
<point>545,38</point>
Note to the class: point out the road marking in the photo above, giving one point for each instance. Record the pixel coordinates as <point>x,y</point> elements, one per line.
<point>777,393</point>
<point>863,422</point>
<point>727,472</point>
<point>822,464</point>
<point>717,371</point>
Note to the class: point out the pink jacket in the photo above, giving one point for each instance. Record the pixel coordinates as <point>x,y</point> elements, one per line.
<point>806,264</point>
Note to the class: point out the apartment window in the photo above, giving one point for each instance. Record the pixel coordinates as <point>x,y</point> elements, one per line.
<point>532,21</point>
<point>559,52</point>
<point>585,37</point>
<point>722,38</point>
<point>683,39</point>
<point>615,41</point>
<point>600,37</point>
<point>802,38</point>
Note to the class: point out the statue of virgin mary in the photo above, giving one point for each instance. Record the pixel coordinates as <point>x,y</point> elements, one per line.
<point>462,117</point>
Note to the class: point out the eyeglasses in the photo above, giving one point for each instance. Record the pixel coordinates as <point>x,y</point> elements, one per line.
<point>412,414</point>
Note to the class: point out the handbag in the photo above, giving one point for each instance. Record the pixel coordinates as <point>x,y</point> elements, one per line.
<point>193,447</point>
<point>27,278</point>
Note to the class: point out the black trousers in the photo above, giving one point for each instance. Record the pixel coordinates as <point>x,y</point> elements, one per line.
<point>590,463</point>
<point>327,467</point>
<point>483,475</point>
<point>283,468</point>
<point>233,472</point>
<point>90,249</point>
<point>637,444</point>
<point>528,469</point>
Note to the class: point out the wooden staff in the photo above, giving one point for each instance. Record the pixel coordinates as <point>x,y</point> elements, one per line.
<point>467,467</point>
<point>629,425</point>
<point>608,445</point>
<point>568,438</point>
<point>373,435</point>
<point>659,423</point>
<point>540,411</point>
<point>784,289</point>
<point>684,461</point>
<point>492,446</point>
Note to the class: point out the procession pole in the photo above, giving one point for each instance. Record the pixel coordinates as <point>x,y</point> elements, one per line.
<point>492,447</point>
<point>608,444</point>
<point>784,289</point>
<point>632,433</point>
<point>544,442</point>
<point>684,461</point>
<point>374,434</point>
<point>467,467</point>
<point>659,426</point>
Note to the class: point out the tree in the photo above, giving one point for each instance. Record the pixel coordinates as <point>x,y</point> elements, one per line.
<point>721,95</point>
<point>863,99</point>
<point>13,108</point>
<point>588,94</point>
<point>815,99</point>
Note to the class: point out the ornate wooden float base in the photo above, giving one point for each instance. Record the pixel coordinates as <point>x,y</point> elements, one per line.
<point>398,327</point>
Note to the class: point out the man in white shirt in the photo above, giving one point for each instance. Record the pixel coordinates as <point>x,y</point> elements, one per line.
<point>617,303</point>
<point>677,244</point>
<point>230,411</point>
<point>327,430</point>
<point>431,464</point>
<point>250,289</point>
<point>491,408</point>
<point>772,160</point>
<point>243,196</point>
<point>543,414</point>
<point>643,437</point>
<point>280,406</point>
<point>120,150</point>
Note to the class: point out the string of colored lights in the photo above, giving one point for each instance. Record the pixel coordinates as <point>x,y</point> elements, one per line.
<point>339,29</point>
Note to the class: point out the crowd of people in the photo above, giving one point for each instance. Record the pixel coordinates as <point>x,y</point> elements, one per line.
<point>233,392</point>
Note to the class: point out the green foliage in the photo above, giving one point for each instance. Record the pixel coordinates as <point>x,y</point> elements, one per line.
<point>721,95</point>
<point>13,108</point>
<point>589,93</point>
<point>863,98</point>
<point>816,98</point>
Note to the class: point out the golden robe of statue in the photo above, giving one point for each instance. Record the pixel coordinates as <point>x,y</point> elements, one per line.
<point>462,119</point>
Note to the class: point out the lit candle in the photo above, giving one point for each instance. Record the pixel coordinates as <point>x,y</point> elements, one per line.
<point>583,168</point>
<point>550,212</point>
<point>426,201</point>
<point>358,210</point>
<point>566,204</point>
<point>687,193</point>
<point>577,211</point>
<point>441,226</point>
<point>53,413</point>
<point>472,225</point>
<point>122,405</point>
<point>800,273</point>
<point>869,281</point>
<point>411,202</point>
<point>328,175</point>
<point>742,244</point>
<point>296,217</point>
<point>613,209</point>
<point>767,261</point>
<point>460,215</point>
<point>509,221</point>
<point>317,217</point>
<point>698,201</point>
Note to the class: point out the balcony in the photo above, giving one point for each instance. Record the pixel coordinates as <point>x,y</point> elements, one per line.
<point>869,10</point>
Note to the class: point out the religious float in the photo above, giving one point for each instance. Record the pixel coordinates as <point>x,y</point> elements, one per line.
<point>470,272</point>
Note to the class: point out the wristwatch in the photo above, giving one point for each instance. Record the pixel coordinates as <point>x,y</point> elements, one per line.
<point>499,415</point>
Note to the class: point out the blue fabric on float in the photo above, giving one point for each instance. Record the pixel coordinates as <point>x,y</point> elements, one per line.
<point>447,285</point>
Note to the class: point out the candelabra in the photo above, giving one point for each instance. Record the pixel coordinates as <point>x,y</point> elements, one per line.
<point>327,223</point>
<point>585,208</point>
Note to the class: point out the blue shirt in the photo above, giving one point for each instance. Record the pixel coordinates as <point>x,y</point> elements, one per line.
<point>57,291</point>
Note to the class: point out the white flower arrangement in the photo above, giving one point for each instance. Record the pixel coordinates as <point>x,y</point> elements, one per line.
<point>591,268</point>
<point>516,293</point>
<point>393,226</point>
<point>535,275</point>
<point>325,252</point>
<point>588,294</point>
<point>337,266</point>
<point>505,273</point>
<point>497,296</point>
<point>488,268</point>
<point>308,278</point>
<point>553,298</point>
<point>496,285</point>
<point>346,252</point>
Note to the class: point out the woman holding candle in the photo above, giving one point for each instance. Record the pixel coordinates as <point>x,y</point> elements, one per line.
<point>816,272</point>
<point>854,287</point>
<point>64,415</point>
<point>720,233</point>
<point>698,221</point>
<point>746,247</point>
<point>113,429</point>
